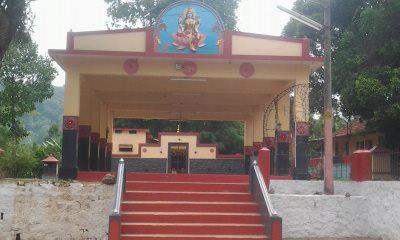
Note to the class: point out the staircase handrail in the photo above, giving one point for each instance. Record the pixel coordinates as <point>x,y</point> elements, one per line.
<point>258,188</point>
<point>119,189</point>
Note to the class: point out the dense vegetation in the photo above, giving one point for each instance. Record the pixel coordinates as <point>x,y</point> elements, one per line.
<point>366,60</point>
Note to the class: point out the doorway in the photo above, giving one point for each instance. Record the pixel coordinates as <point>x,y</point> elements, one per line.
<point>178,154</point>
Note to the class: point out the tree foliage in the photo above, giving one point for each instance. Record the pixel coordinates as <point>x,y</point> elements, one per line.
<point>25,79</point>
<point>366,59</point>
<point>133,13</point>
<point>15,19</point>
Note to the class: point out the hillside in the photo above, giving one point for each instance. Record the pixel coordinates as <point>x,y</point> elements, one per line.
<point>47,113</point>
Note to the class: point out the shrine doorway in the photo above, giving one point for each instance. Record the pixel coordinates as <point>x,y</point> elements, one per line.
<point>178,155</point>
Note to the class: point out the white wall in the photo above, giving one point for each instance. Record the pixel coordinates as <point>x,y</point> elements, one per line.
<point>372,210</point>
<point>48,212</point>
<point>80,211</point>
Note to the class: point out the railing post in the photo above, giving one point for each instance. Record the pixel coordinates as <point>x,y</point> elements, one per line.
<point>276,228</point>
<point>114,231</point>
<point>264,164</point>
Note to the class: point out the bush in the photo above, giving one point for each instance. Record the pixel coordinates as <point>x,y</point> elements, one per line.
<point>19,161</point>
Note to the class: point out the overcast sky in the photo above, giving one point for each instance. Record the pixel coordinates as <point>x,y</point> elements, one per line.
<point>54,18</point>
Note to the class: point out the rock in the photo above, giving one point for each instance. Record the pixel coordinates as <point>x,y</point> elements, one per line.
<point>20,183</point>
<point>108,179</point>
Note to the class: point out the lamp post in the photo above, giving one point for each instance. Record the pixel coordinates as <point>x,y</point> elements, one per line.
<point>328,115</point>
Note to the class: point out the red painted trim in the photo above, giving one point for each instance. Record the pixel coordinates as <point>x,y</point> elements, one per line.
<point>276,229</point>
<point>103,143</point>
<point>227,52</point>
<point>264,163</point>
<point>151,52</point>
<point>84,131</point>
<point>306,47</point>
<point>94,138</point>
<point>114,228</point>
<point>84,176</point>
<point>70,41</point>
<point>125,155</point>
<point>150,41</point>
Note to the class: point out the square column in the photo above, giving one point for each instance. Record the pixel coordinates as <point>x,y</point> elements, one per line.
<point>69,167</point>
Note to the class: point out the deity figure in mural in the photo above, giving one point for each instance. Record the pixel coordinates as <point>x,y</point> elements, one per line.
<point>188,35</point>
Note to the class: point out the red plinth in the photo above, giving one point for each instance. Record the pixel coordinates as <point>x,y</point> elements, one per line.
<point>361,165</point>
<point>264,164</point>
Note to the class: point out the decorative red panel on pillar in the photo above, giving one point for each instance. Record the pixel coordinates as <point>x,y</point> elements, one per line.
<point>70,123</point>
<point>84,131</point>
<point>264,164</point>
<point>302,129</point>
<point>94,138</point>
<point>361,168</point>
<point>276,229</point>
<point>248,150</point>
<point>269,142</point>
<point>114,228</point>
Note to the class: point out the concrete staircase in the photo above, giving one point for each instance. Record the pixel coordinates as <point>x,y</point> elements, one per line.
<point>186,206</point>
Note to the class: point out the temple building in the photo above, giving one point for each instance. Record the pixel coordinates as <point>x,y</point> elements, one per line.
<point>185,67</point>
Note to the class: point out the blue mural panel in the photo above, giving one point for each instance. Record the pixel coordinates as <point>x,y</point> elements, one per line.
<point>189,27</point>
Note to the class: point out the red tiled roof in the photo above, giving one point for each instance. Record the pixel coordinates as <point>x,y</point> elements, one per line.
<point>352,128</point>
<point>50,159</point>
<point>2,151</point>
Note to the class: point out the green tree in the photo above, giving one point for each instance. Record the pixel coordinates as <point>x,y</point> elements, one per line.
<point>25,79</point>
<point>15,20</point>
<point>19,161</point>
<point>365,59</point>
<point>132,13</point>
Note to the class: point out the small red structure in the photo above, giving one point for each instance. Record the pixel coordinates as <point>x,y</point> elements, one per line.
<point>2,151</point>
<point>50,169</point>
<point>361,169</point>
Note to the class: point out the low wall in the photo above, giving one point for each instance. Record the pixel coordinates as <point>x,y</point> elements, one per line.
<point>41,210</point>
<point>372,210</point>
<point>197,166</point>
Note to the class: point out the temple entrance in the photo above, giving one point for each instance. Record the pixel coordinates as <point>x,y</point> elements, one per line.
<point>178,158</point>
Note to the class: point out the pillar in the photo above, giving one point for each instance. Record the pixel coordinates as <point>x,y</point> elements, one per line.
<point>109,138</point>
<point>283,136</point>
<point>84,128</point>
<point>248,142</point>
<point>103,137</point>
<point>301,108</point>
<point>95,134</point>
<point>69,167</point>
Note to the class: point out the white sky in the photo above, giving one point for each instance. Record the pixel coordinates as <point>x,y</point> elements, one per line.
<point>54,18</point>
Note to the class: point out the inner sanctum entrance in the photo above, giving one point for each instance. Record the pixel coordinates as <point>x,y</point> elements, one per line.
<point>178,156</point>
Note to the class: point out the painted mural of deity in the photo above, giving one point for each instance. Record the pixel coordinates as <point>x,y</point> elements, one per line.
<point>188,35</point>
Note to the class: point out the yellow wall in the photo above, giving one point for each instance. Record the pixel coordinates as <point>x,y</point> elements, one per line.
<point>245,45</point>
<point>341,141</point>
<point>126,138</point>
<point>72,93</point>
<point>130,41</point>
<point>195,152</point>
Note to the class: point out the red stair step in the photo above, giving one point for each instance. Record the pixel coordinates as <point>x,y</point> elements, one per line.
<point>194,229</point>
<point>186,237</point>
<point>187,177</point>
<point>176,218</point>
<point>203,197</point>
<point>185,187</point>
<point>185,207</point>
